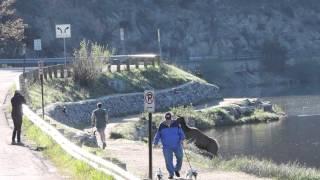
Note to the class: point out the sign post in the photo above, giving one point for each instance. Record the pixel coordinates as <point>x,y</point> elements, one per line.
<point>159,44</point>
<point>40,66</point>
<point>122,41</point>
<point>24,48</point>
<point>149,106</point>
<point>63,31</point>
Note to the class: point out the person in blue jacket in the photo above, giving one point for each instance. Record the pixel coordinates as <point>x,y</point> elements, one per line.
<point>171,136</point>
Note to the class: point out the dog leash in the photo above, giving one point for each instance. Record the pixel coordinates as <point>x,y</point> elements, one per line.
<point>185,153</point>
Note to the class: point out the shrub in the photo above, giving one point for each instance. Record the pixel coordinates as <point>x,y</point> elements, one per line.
<point>274,56</point>
<point>88,62</point>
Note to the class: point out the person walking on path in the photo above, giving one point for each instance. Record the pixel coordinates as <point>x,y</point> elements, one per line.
<point>99,120</point>
<point>16,101</point>
<point>172,137</point>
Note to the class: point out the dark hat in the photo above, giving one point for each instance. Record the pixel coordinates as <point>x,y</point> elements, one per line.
<point>168,115</point>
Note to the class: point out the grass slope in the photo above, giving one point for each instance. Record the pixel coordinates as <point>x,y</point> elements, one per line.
<point>65,163</point>
<point>159,77</point>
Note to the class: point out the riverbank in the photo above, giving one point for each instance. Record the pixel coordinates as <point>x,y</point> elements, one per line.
<point>132,153</point>
<point>229,112</point>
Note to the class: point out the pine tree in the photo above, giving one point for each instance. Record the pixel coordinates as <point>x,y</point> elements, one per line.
<point>11,30</point>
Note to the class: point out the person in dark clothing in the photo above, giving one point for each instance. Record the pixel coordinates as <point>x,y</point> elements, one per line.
<point>99,119</point>
<point>16,101</point>
<point>171,136</point>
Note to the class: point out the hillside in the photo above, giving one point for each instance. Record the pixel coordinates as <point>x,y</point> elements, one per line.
<point>188,27</point>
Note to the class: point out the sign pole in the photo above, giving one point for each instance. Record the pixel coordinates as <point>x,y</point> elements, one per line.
<point>159,44</point>
<point>122,41</point>
<point>149,106</point>
<point>24,59</point>
<point>64,52</point>
<point>42,99</point>
<point>41,82</point>
<point>150,146</point>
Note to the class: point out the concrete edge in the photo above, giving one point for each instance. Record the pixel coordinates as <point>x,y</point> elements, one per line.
<point>72,149</point>
<point>75,151</point>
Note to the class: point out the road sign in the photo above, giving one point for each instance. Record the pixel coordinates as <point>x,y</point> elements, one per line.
<point>149,101</point>
<point>37,45</point>
<point>63,31</point>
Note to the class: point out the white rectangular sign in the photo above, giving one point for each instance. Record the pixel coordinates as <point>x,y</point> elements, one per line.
<point>63,31</point>
<point>149,101</point>
<point>37,45</point>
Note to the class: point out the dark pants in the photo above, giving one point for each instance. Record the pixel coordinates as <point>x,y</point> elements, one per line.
<point>17,122</point>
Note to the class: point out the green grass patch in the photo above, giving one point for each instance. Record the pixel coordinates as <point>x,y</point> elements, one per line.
<point>207,119</point>
<point>136,80</point>
<point>261,168</point>
<point>65,163</point>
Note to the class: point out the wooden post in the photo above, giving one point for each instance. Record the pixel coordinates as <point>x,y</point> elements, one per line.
<point>118,66</point>
<point>35,75</point>
<point>158,60</point>
<point>61,71</point>
<point>128,64</point>
<point>45,73</point>
<point>55,71</point>
<point>109,67</point>
<point>68,71</point>
<point>50,72</point>
<point>144,64</point>
<point>153,61</point>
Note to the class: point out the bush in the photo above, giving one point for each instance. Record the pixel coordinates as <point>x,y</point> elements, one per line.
<point>88,62</point>
<point>305,71</point>
<point>274,56</point>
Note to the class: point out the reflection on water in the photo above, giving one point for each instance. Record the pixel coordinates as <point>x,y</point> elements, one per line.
<point>296,138</point>
<point>292,139</point>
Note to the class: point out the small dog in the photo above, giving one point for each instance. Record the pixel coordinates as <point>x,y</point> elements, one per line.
<point>201,140</point>
<point>192,173</point>
<point>159,175</point>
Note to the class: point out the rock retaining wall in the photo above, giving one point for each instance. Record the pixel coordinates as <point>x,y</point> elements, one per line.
<point>124,104</point>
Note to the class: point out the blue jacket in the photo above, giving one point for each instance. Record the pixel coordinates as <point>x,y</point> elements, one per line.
<point>171,137</point>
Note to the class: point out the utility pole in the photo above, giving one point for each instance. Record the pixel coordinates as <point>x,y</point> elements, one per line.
<point>123,47</point>
<point>159,44</point>
<point>24,58</point>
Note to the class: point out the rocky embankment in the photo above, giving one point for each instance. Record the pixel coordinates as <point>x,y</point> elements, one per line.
<point>124,104</point>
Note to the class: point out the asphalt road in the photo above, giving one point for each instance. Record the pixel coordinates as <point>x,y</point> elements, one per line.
<point>18,162</point>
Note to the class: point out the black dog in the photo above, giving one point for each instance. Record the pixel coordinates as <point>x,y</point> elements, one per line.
<point>201,140</point>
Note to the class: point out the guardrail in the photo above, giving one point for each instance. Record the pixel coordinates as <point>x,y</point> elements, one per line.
<point>72,149</point>
<point>75,151</point>
<point>135,59</point>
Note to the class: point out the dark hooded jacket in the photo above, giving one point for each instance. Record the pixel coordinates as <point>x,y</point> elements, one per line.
<point>16,103</point>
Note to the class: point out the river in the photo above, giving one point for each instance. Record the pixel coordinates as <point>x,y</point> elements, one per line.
<point>293,139</point>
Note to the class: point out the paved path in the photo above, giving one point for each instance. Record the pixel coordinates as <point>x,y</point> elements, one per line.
<point>17,162</point>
